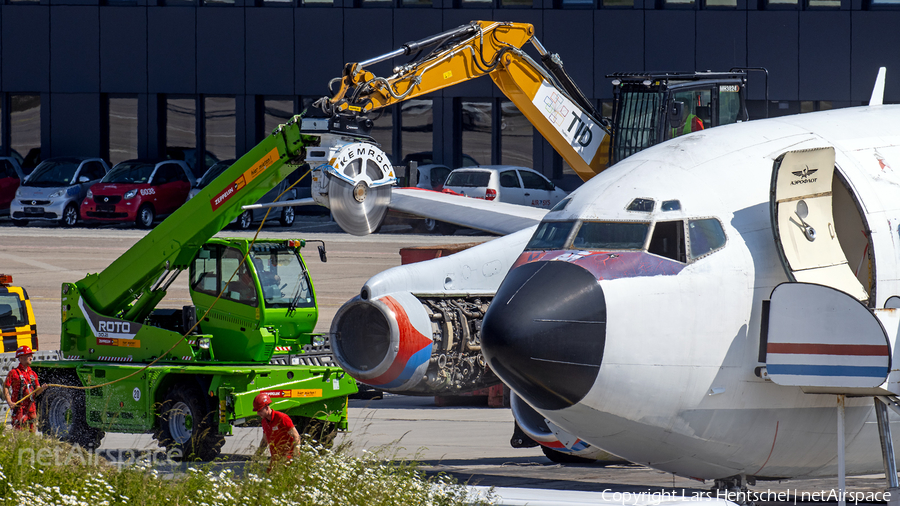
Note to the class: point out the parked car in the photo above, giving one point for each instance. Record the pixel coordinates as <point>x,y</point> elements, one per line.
<point>432,176</point>
<point>139,191</point>
<point>53,191</point>
<point>11,177</point>
<point>427,157</point>
<point>285,215</point>
<point>505,183</point>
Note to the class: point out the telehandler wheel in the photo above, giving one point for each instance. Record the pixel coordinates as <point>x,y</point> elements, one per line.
<point>314,431</point>
<point>61,414</point>
<point>187,423</point>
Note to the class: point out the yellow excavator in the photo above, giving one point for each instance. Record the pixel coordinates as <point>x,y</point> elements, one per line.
<point>648,107</point>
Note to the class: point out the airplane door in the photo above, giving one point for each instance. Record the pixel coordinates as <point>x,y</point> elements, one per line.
<point>805,234</point>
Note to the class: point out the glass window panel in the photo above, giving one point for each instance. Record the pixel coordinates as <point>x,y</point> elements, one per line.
<point>668,240</point>
<point>25,128</point>
<point>550,235</point>
<point>516,137</point>
<point>729,104</point>
<point>781,3</point>
<point>892,3</point>
<point>618,3</point>
<point>705,236</point>
<point>123,125</point>
<point>220,128</point>
<point>611,235</point>
<point>181,134</point>
<point>383,131</point>
<point>418,2</point>
<point>576,3</point>
<point>218,2</point>
<point>825,4</point>
<point>317,3</point>
<point>516,3</point>
<point>416,126</point>
<point>476,3</point>
<point>476,130</point>
<point>679,2</point>
<point>275,112</point>
<point>721,3</point>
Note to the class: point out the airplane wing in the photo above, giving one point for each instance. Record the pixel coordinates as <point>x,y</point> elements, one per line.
<point>489,216</point>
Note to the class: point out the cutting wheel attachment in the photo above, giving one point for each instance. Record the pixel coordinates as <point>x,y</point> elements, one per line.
<point>359,188</point>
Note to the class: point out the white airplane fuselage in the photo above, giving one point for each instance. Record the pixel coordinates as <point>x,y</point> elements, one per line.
<point>668,378</point>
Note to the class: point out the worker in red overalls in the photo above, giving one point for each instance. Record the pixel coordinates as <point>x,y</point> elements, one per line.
<point>279,432</point>
<point>22,385</point>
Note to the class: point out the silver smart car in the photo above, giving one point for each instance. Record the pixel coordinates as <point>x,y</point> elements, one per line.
<point>55,189</point>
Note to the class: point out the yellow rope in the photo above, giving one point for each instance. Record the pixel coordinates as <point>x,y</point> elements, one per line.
<point>243,261</point>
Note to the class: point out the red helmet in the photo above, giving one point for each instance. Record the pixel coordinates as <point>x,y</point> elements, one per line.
<point>24,350</point>
<point>262,400</point>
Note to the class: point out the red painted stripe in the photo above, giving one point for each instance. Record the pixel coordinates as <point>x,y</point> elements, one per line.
<point>871,350</point>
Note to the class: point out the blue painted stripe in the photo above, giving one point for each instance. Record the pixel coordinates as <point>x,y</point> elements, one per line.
<point>827,370</point>
<point>418,358</point>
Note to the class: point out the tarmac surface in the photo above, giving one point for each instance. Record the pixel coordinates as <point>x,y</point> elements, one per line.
<point>469,440</point>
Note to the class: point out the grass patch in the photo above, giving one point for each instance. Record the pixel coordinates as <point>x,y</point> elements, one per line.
<point>35,470</point>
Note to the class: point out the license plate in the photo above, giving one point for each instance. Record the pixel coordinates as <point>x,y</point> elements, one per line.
<point>106,209</point>
<point>34,210</point>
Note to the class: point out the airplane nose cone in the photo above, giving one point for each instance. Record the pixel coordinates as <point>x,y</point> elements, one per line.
<point>545,331</point>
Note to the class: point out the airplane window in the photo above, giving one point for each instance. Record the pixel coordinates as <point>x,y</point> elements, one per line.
<point>561,205</point>
<point>550,235</point>
<point>641,205</point>
<point>611,235</point>
<point>668,240</point>
<point>705,236</point>
<point>671,205</point>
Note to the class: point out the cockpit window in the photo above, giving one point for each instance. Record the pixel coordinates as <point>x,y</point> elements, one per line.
<point>600,235</point>
<point>705,235</point>
<point>671,205</point>
<point>668,240</point>
<point>550,235</point>
<point>561,204</point>
<point>641,205</point>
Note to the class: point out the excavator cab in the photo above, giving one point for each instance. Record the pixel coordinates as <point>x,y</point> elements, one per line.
<point>653,107</point>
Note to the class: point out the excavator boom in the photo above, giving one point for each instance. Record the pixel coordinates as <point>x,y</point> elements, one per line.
<point>543,92</point>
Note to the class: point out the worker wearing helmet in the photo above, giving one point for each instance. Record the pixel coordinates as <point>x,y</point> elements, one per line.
<point>22,385</point>
<point>279,432</point>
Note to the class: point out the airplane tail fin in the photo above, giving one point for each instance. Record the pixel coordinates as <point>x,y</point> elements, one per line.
<point>878,91</point>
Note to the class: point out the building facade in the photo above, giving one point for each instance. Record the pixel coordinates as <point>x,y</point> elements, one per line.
<point>205,80</point>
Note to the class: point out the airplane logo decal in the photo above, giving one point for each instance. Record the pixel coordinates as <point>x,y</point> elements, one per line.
<point>413,353</point>
<point>804,176</point>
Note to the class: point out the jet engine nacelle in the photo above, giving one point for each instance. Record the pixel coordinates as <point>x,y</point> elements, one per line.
<point>535,426</point>
<point>411,345</point>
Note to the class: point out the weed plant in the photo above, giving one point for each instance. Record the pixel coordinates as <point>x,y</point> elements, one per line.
<point>36,471</point>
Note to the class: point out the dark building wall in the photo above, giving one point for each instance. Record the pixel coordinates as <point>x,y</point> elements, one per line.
<point>76,52</point>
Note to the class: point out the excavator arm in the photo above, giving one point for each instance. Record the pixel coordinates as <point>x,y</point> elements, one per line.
<point>543,92</point>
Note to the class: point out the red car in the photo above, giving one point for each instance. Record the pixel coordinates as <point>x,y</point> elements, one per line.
<point>138,191</point>
<point>11,176</point>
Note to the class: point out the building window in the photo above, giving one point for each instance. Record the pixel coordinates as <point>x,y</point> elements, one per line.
<point>219,126</point>
<point>884,4</point>
<point>476,120</point>
<point>416,3</point>
<point>275,111</point>
<point>618,3</point>
<point>574,4</point>
<point>517,3</point>
<point>181,131</point>
<point>721,4</point>
<point>25,128</point>
<point>122,129</point>
<point>516,137</point>
<point>217,2</point>
<point>781,4</point>
<point>317,3</point>
<point>383,131</point>
<point>823,4</point>
<point>476,3</point>
<point>416,127</point>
